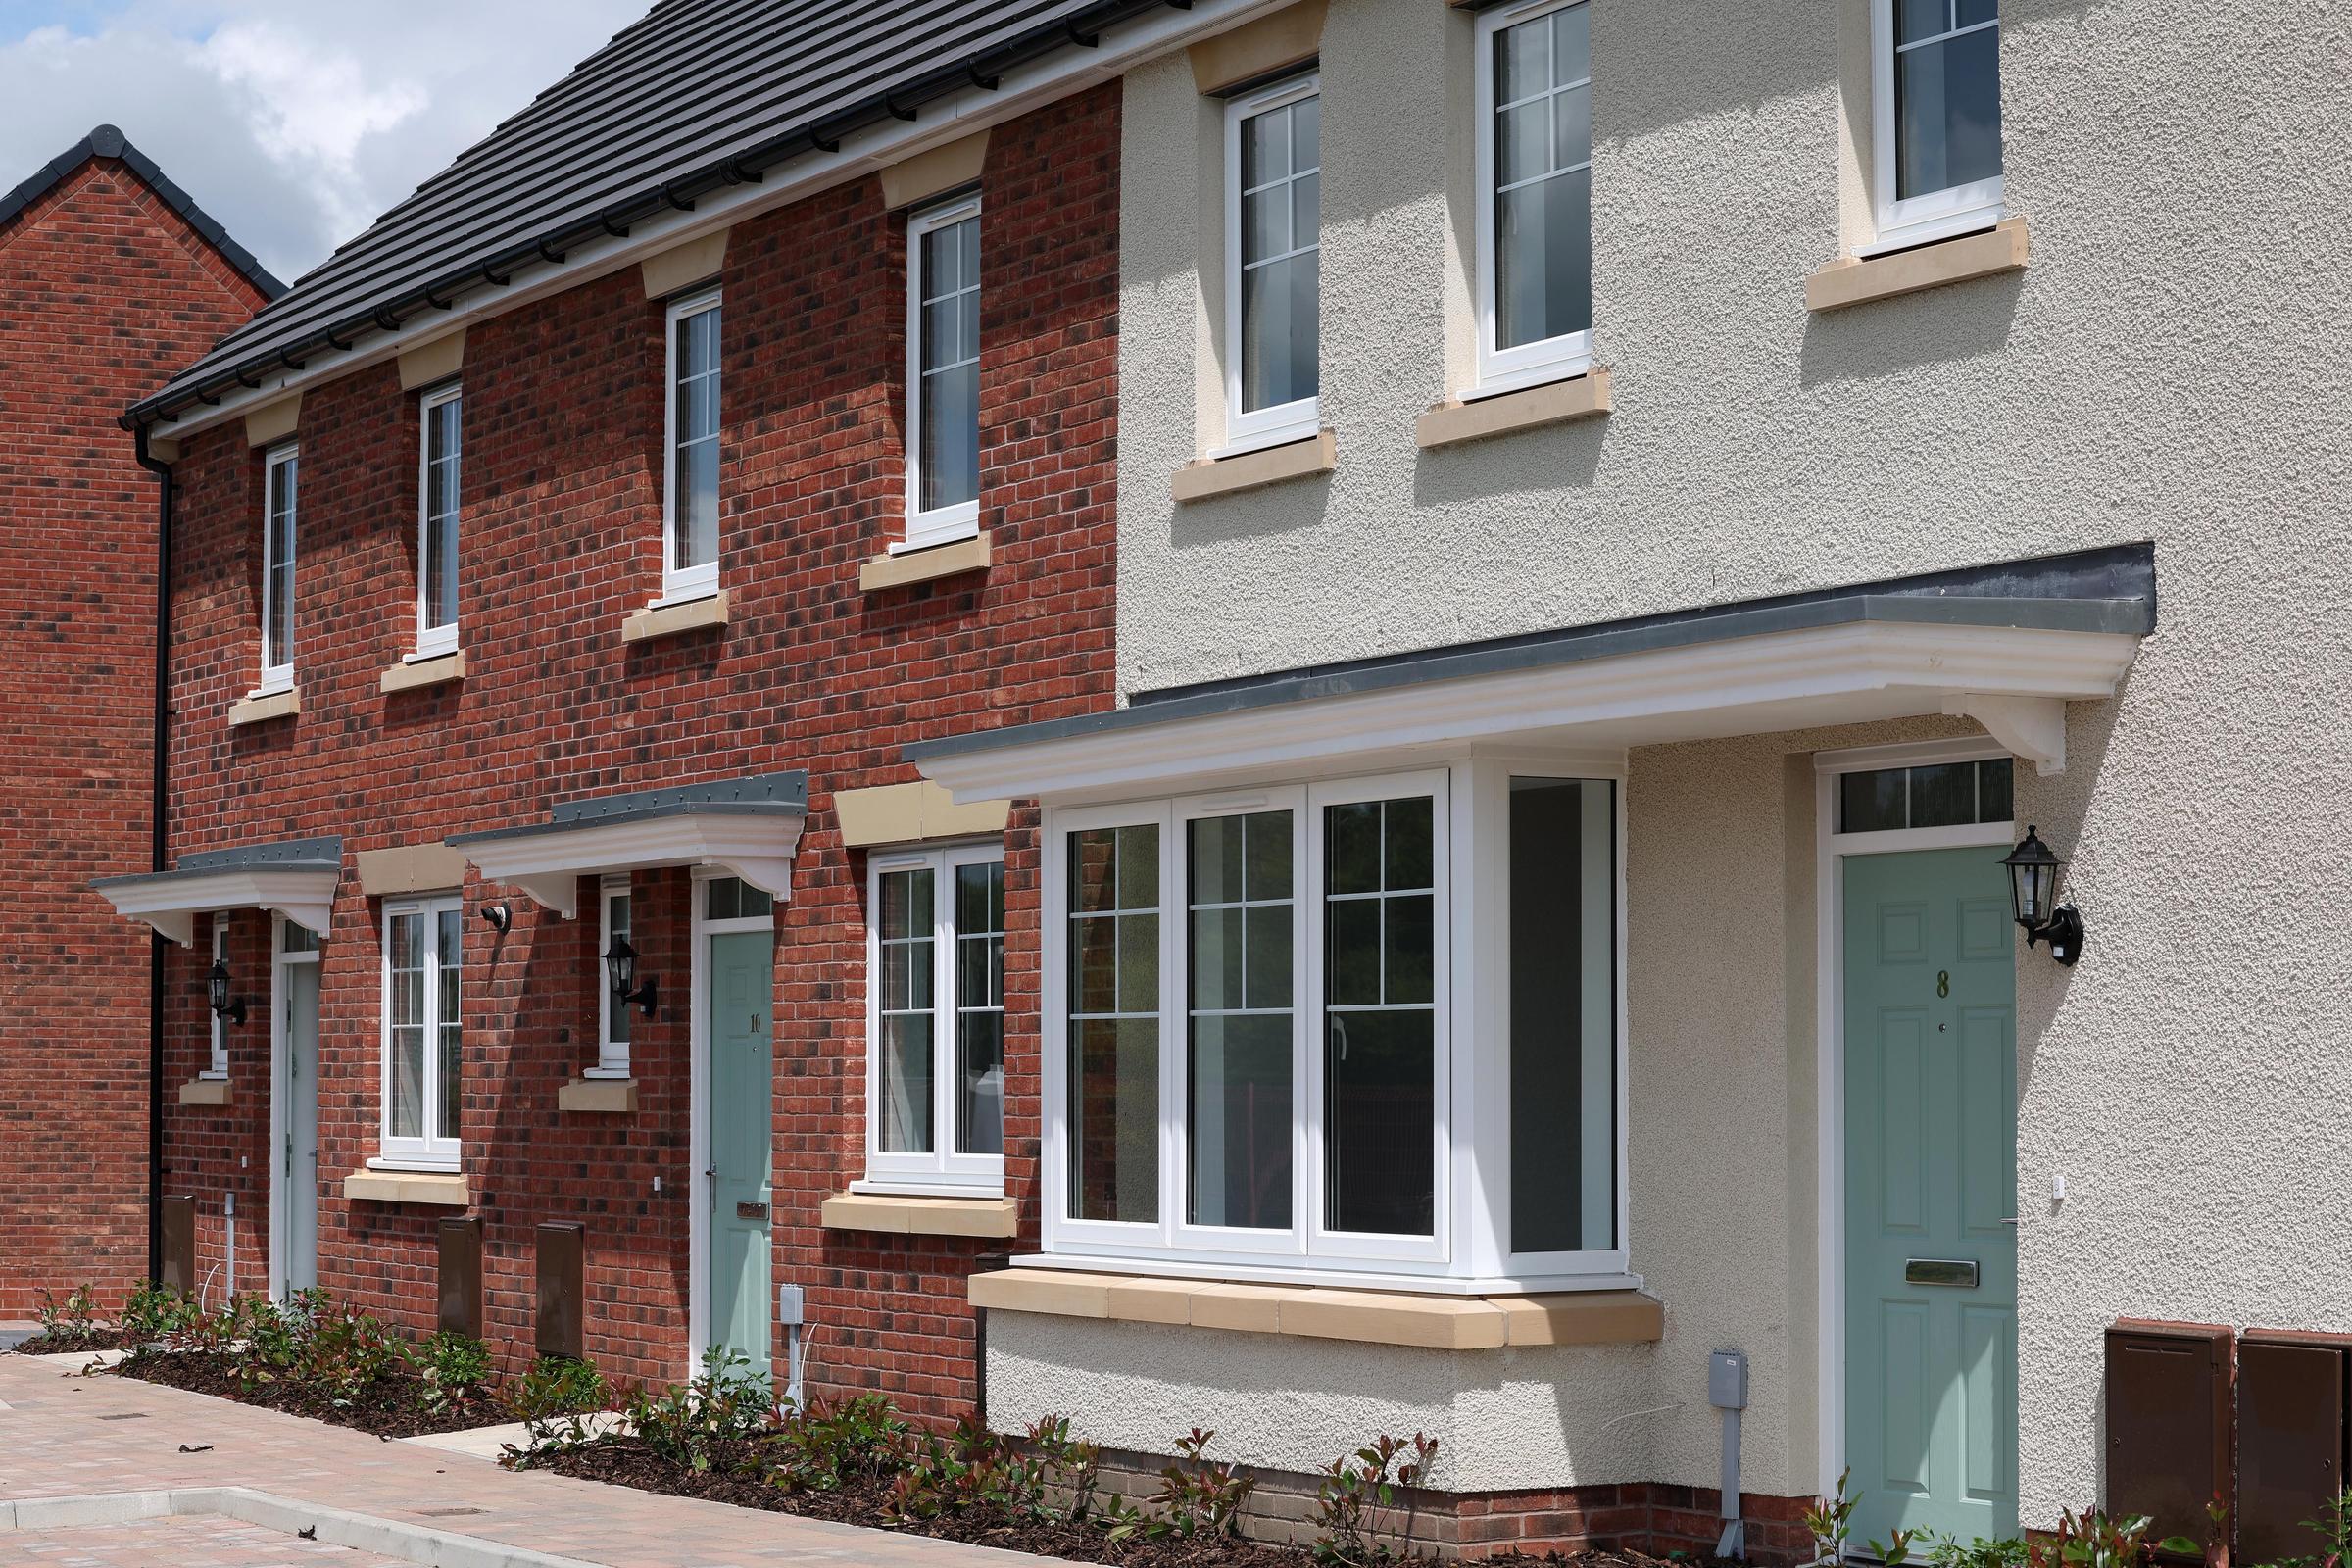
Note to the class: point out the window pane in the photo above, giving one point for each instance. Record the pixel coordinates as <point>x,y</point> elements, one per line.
<point>1544,260</point>
<point>1279,332</point>
<point>1114,1024</point>
<point>980,1008</point>
<point>1943,795</point>
<point>441,480</point>
<point>1280,282</point>
<point>1542,187</point>
<point>618,1014</point>
<point>1237,1078</point>
<point>404,1088</point>
<point>1871,803</point>
<point>948,465</point>
<point>449,952</point>
<point>1563,1089</point>
<point>1948,113</point>
<point>278,542</point>
<point>729,898</point>
<point>1380,1023</point>
<point>1995,787</point>
<point>694,502</point>
<point>906,1082</point>
<point>951,426</point>
<point>1914,20</point>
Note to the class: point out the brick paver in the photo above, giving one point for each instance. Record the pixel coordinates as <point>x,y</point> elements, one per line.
<point>62,1435</point>
<point>196,1542</point>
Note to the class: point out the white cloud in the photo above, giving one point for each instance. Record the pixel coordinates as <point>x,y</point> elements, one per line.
<point>293,123</point>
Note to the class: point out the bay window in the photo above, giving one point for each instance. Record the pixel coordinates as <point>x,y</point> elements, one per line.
<point>438,460</point>
<point>424,943</point>
<point>935,1057</point>
<point>1937,92</point>
<point>281,473</point>
<point>690,532</point>
<point>1362,1027</point>
<point>1534,194</point>
<point>1273,280</point>
<point>942,373</point>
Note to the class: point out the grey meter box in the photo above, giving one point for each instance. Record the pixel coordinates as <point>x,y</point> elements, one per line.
<point>1726,1380</point>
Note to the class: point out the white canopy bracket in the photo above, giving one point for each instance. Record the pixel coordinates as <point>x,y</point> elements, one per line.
<point>2031,727</point>
<point>547,864</point>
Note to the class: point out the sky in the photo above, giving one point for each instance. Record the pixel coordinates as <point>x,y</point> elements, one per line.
<point>292,121</point>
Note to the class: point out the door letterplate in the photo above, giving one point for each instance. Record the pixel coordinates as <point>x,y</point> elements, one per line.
<point>1941,1271</point>
<point>759,1211</point>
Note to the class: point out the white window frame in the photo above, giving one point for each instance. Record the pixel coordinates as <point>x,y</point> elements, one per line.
<point>277,672</point>
<point>218,1065</point>
<point>1301,417</point>
<point>961,520</point>
<point>698,581</point>
<point>1933,214</point>
<point>429,1153</point>
<point>1552,359</point>
<point>612,1056</point>
<point>433,640</point>
<point>943,1170</point>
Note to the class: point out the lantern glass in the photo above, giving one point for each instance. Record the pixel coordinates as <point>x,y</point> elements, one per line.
<point>217,984</point>
<point>620,961</point>
<point>2033,877</point>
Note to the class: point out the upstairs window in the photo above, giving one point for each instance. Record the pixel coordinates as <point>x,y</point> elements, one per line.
<point>424,948</point>
<point>942,373</point>
<point>437,522</point>
<point>1273,283</point>
<point>690,535</point>
<point>935,1084</point>
<point>1535,188</point>
<point>280,484</point>
<point>1937,92</point>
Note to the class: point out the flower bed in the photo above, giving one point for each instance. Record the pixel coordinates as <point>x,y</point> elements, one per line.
<point>72,1326</point>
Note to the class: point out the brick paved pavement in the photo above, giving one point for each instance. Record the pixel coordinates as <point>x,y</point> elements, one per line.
<point>201,1541</point>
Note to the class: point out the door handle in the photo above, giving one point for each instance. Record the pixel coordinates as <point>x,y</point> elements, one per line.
<point>710,1179</point>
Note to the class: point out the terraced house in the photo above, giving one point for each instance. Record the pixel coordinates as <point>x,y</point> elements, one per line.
<point>1594,729</point>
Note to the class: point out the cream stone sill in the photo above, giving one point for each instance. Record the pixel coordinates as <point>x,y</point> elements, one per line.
<point>919,1216</point>
<point>415,675</point>
<point>672,620</point>
<point>1853,281</point>
<point>1205,477</point>
<point>262,707</point>
<point>887,571</point>
<point>204,1091</point>
<point>447,1190</point>
<point>1581,397</point>
<point>1367,1317</point>
<point>607,1096</point>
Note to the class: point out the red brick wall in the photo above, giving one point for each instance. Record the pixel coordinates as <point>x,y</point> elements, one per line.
<point>104,290</point>
<point>562,439</point>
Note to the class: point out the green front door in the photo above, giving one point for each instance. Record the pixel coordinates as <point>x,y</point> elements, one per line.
<point>1931,1167</point>
<point>738,1187</point>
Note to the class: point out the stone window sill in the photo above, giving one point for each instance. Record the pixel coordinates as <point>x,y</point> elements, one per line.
<point>262,707</point>
<point>675,620</point>
<point>1581,397</point>
<point>204,1091</point>
<point>907,567</point>
<point>1856,280</point>
<point>1203,478</point>
<point>442,1189</point>
<point>611,1097</point>
<point>897,1215</point>
<point>416,674</point>
<point>1366,1318</point>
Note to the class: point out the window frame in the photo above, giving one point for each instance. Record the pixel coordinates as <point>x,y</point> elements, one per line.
<point>942,1170</point>
<point>217,1065</point>
<point>700,580</point>
<point>1301,417</point>
<point>1553,359</point>
<point>962,519</point>
<point>428,1151</point>
<point>277,673</point>
<point>1921,220</point>
<point>612,1056</point>
<point>433,640</point>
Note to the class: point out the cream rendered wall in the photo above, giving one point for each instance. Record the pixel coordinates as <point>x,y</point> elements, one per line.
<point>2172,368</point>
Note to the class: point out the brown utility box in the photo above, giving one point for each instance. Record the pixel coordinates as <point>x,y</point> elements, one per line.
<point>462,1275</point>
<point>2292,1454</point>
<point>563,1246</point>
<point>2169,1409</point>
<point>179,1246</point>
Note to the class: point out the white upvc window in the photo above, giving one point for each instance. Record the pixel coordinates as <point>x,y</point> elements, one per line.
<point>1351,1029</point>
<point>1937,97</point>
<point>616,1016</point>
<point>281,480</point>
<point>1273,283</point>
<point>422,1052</point>
<point>440,441</point>
<point>935,1057</point>
<point>1534,194</point>
<point>942,373</point>
<point>218,1065</point>
<point>690,491</point>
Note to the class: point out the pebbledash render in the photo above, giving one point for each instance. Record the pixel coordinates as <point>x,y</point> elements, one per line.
<point>1451,879</point>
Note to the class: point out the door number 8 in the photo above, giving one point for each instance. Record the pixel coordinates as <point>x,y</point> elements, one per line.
<point>1944,982</point>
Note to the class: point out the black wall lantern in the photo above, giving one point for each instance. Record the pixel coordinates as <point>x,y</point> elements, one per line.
<point>620,961</point>
<point>499,916</point>
<point>224,1005</point>
<point>2034,874</point>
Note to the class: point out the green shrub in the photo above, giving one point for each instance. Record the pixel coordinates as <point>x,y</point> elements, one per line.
<point>155,1311</point>
<point>73,1317</point>
<point>727,1402</point>
<point>1357,1502</point>
<point>828,1444</point>
<point>559,1386</point>
<point>454,1367</point>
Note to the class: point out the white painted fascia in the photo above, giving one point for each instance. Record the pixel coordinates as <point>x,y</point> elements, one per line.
<point>547,866</point>
<point>863,152</point>
<point>1872,669</point>
<point>171,904</point>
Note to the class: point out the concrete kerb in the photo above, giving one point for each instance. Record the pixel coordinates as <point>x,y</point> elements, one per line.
<point>337,1526</point>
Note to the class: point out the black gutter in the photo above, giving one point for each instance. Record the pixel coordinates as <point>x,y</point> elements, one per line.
<point>158,852</point>
<point>1080,30</point>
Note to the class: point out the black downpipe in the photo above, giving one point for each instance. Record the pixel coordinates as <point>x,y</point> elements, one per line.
<point>157,859</point>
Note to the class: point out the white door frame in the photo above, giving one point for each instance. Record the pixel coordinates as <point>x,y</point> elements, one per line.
<point>1829,1065</point>
<point>698,1230</point>
<point>281,1127</point>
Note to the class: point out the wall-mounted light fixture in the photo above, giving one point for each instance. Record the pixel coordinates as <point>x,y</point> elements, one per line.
<point>2034,874</point>
<point>499,916</point>
<point>224,1005</point>
<point>620,961</point>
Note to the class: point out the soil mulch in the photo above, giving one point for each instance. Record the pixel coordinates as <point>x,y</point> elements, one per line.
<point>77,1342</point>
<point>391,1406</point>
<point>628,1462</point>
